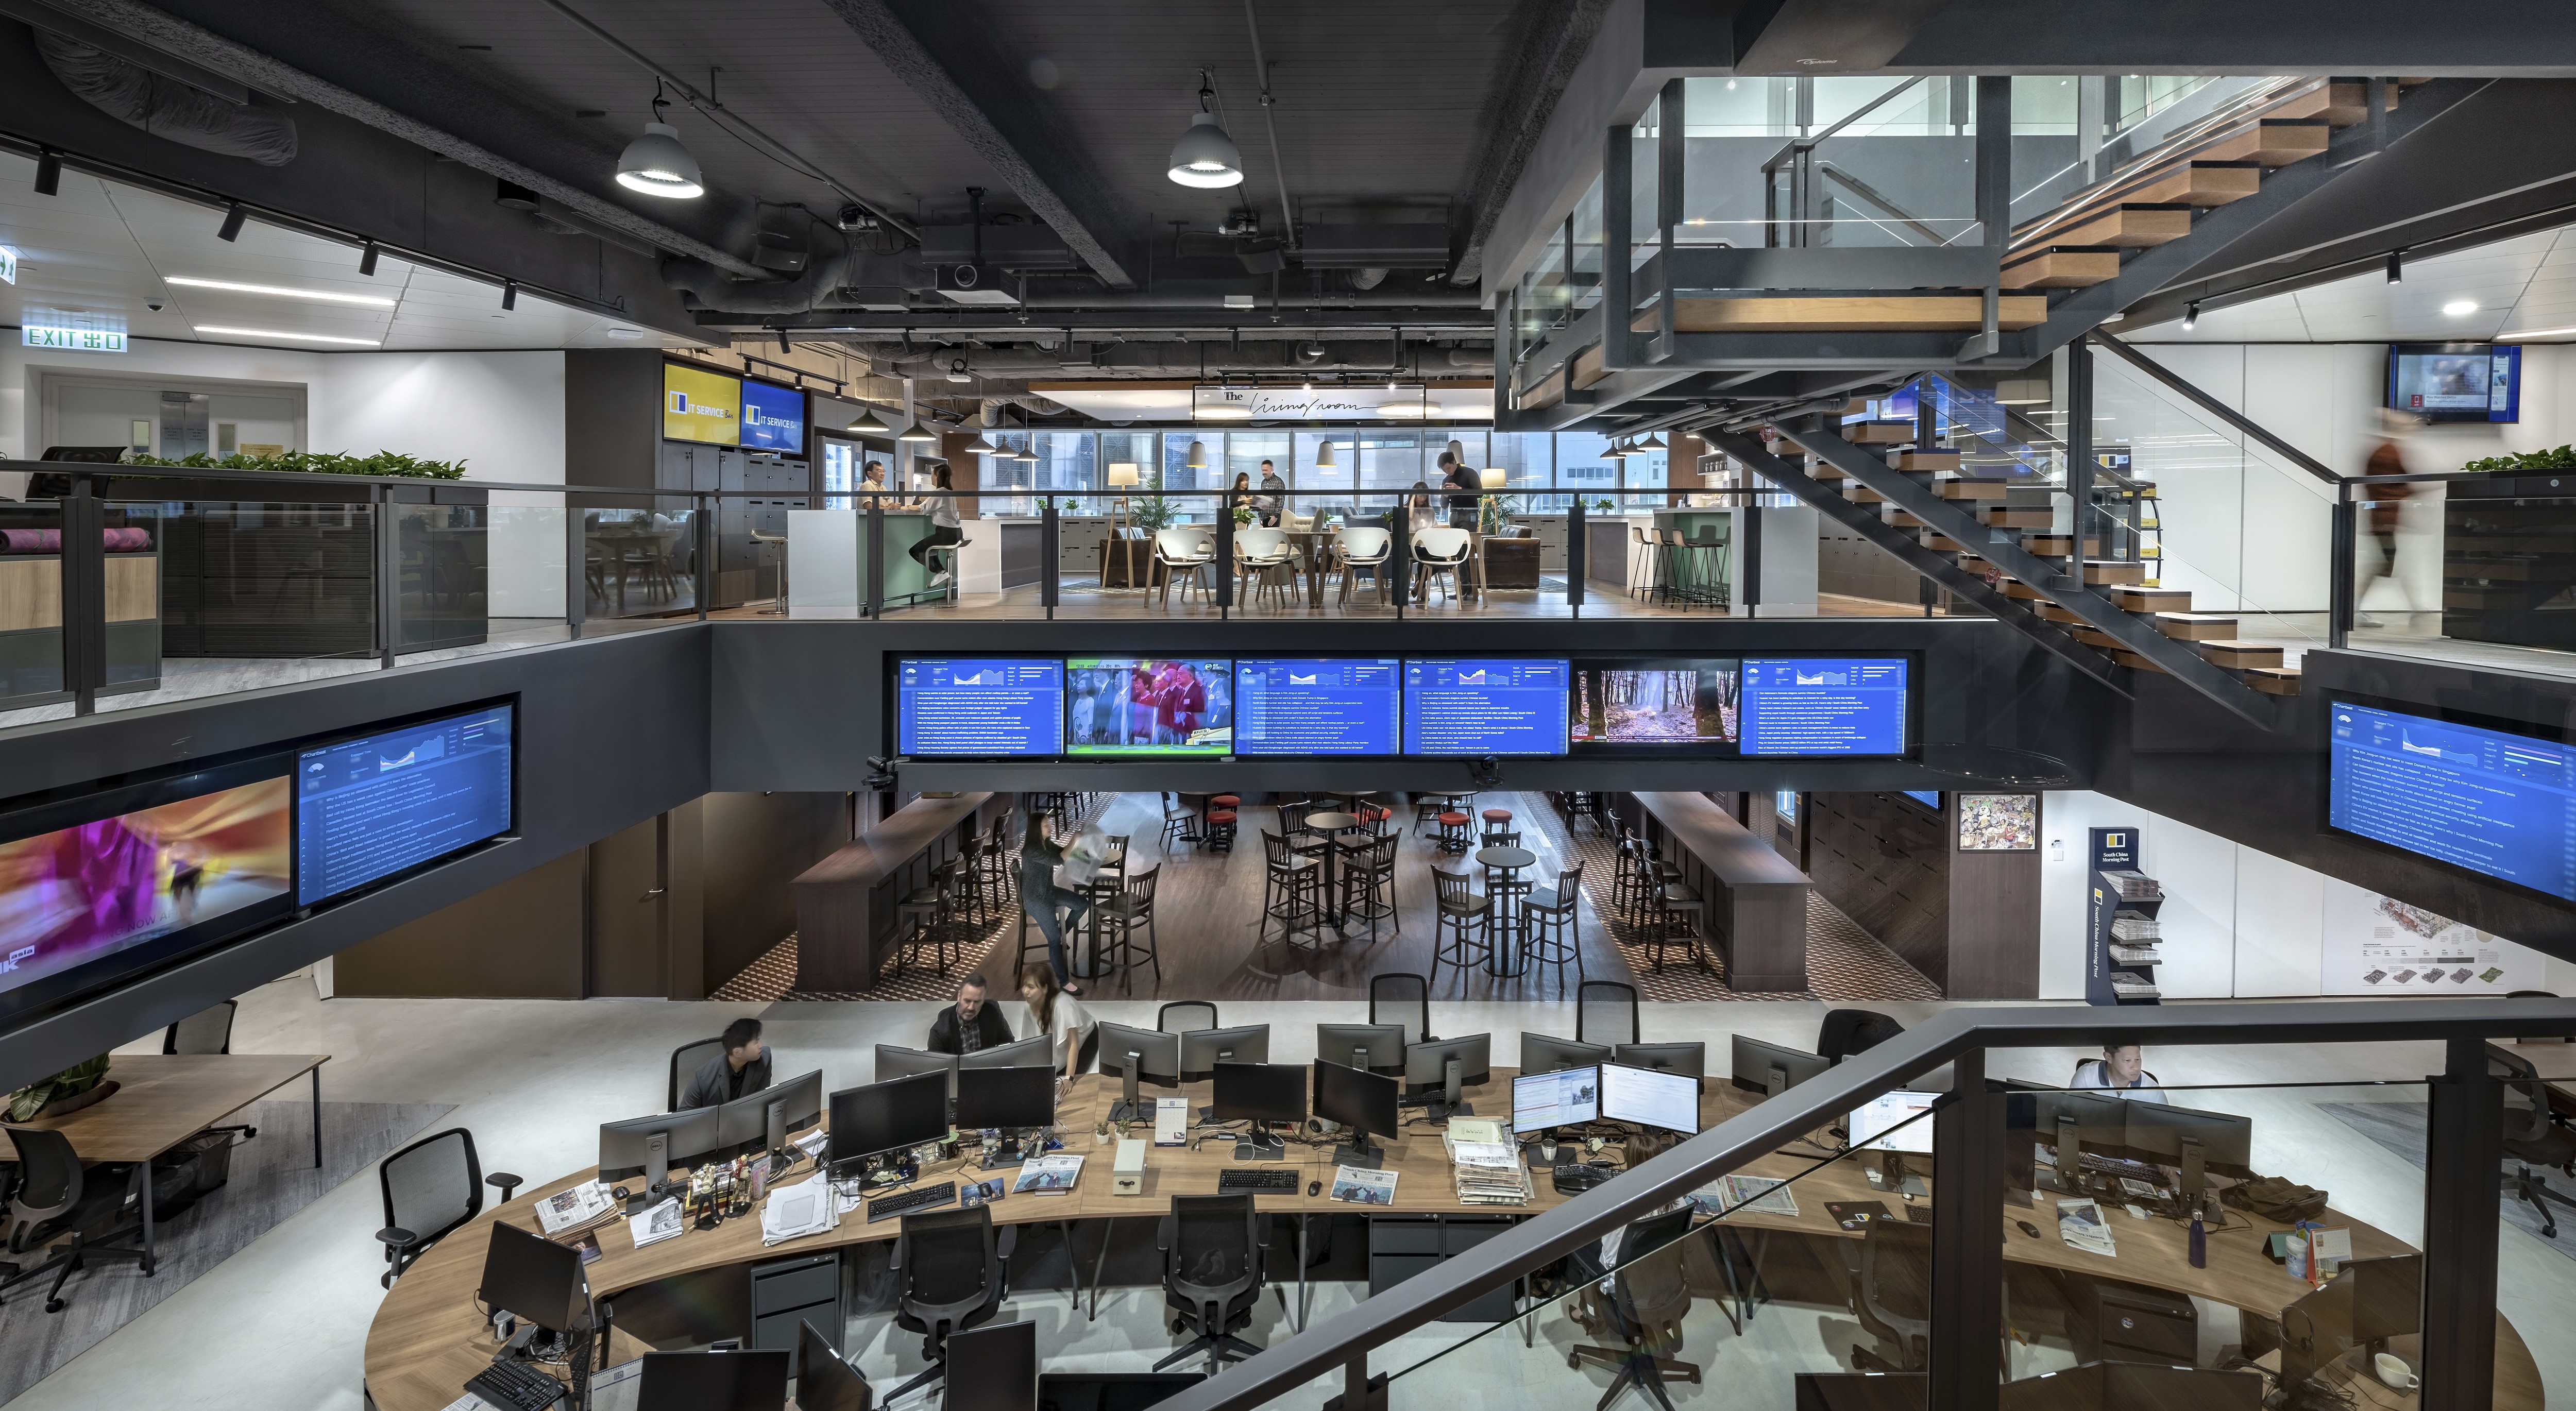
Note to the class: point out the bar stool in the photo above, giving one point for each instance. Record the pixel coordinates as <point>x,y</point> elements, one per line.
<point>1708,563</point>
<point>1427,808</point>
<point>1219,834</point>
<point>1641,563</point>
<point>1626,879</point>
<point>923,917</point>
<point>1497,820</point>
<point>1368,884</point>
<point>1555,935</point>
<point>1128,911</point>
<point>1001,862</point>
<point>1292,890</point>
<point>1453,831</point>
<point>1459,904</point>
<point>1673,913</point>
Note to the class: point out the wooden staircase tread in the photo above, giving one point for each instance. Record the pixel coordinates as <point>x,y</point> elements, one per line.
<point>2272,680</point>
<point>2203,183</point>
<point>2132,224</point>
<point>2053,268</point>
<point>2137,598</point>
<point>2274,142</point>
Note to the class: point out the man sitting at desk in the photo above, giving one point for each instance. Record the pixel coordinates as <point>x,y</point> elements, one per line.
<point>743,1067</point>
<point>970,1024</point>
<point>2122,1068</point>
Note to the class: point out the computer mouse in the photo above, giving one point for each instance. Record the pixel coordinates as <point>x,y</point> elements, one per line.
<point>2028,1228</point>
<point>620,1192</point>
<point>1314,1187</point>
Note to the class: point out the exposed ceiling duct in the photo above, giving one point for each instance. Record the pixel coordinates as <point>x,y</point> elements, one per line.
<point>166,107</point>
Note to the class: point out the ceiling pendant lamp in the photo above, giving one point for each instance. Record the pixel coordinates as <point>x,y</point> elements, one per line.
<point>1198,456</point>
<point>866,423</point>
<point>1205,157</point>
<point>1654,443</point>
<point>981,447</point>
<point>918,435</point>
<point>1325,459</point>
<point>656,163</point>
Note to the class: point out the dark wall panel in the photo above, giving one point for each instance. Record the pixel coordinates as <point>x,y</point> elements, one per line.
<point>755,844</point>
<point>518,939</point>
<point>1885,864</point>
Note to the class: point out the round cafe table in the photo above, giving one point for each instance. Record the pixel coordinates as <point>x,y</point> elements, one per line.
<point>1506,957</point>
<point>1331,824</point>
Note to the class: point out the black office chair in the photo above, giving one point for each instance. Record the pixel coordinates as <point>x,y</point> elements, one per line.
<point>1402,999</point>
<point>1892,1296</point>
<point>430,1187</point>
<point>952,1272</point>
<point>687,1059</point>
<point>1650,1295</point>
<point>1212,1246</point>
<point>57,1197</point>
<point>1849,1031</point>
<point>206,1031</point>
<point>2533,1136</point>
<point>1183,1015</point>
<point>1605,1013</point>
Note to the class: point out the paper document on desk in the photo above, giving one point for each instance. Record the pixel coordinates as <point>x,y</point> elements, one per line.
<point>1499,1155</point>
<point>1361,1187</point>
<point>660,1223</point>
<point>812,1143</point>
<point>1753,1195</point>
<point>793,1212</point>
<point>469,1402</point>
<point>568,1210</point>
<point>1473,1129</point>
<point>2080,1224</point>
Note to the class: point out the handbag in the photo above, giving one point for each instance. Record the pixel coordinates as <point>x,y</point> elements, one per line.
<point>2276,1198</point>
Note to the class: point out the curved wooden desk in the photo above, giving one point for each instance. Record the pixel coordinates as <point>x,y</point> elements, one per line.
<point>427,1338</point>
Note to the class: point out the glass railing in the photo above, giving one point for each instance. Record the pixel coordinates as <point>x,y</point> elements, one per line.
<point>2473,569</point>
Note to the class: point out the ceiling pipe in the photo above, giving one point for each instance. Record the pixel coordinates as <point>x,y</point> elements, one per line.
<point>1278,171</point>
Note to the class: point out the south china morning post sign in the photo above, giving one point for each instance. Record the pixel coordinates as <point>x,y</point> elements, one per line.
<point>57,338</point>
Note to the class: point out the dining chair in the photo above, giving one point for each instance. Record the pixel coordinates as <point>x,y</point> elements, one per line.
<point>1365,548</point>
<point>1439,551</point>
<point>1260,554</point>
<point>1179,552</point>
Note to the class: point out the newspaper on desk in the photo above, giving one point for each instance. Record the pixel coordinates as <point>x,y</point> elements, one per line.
<point>1752,1195</point>
<point>657,1224</point>
<point>569,1210</point>
<point>793,1212</point>
<point>2080,1224</point>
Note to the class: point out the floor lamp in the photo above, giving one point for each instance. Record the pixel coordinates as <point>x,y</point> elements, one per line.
<point>1122,478</point>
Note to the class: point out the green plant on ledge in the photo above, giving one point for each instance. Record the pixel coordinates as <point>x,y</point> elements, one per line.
<point>1242,516</point>
<point>392,463</point>
<point>71,1082</point>
<point>1151,512</point>
<point>2564,458</point>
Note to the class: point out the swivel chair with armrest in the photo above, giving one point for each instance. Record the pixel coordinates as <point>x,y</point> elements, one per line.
<point>686,1060</point>
<point>1845,1032</point>
<point>1212,1247</point>
<point>2533,1136</point>
<point>57,1197</point>
<point>952,1271</point>
<point>430,1187</point>
<point>1650,1295</point>
<point>1182,1015</point>
<point>1892,1296</point>
<point>1405,999</point>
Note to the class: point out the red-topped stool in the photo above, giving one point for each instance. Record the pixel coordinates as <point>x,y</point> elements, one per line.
<point>1453,831</point>
<point>1218,836</point>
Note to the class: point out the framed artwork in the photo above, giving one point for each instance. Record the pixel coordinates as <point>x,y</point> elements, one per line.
<point>1998,822</point>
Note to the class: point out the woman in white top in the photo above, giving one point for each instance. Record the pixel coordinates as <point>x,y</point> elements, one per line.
<point>1061,1017</point>
<point>943,525</point>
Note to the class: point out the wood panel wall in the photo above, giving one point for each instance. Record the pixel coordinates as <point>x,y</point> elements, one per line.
<point>1885,863</point>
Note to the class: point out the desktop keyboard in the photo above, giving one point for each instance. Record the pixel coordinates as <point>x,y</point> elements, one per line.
<point>516,1386</point>
<point>1234,1180</point>
<point>905,1202</point>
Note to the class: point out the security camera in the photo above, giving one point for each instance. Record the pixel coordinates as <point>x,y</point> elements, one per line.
<point>880,773</point>
<point>1485,772</point>
<point>153,304</point>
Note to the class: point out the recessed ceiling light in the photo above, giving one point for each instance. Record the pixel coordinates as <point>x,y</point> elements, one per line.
<point>278,291</point>
<point>626,333</point>
<point>281,333</point>
<point>2535,333</point>
<point>2457,307</point>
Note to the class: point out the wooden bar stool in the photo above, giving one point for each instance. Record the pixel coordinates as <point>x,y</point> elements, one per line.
<point>1453,831</point>
<point>1498,820</point>
<point>1218,836</point>
<point>1459,906</point>
<point>1555,935</point>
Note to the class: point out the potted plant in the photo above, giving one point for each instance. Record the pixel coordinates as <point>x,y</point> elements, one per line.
<point>1602,505</point>
<point>1152,512</point>
<point>70,1090</point>
<point>1242,516</point>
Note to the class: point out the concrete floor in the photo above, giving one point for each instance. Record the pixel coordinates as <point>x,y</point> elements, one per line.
<point>282,1325</point>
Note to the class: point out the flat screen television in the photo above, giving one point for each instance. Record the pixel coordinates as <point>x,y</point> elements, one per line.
<point>2488,796</point>
<point>1826,706</point>
<point>979,707</point>
<point>1300,706</point>
<point>371,808</point>
<point>1148,706</point>
<point>701,405</point>
<point>1657,706</point>
<point>2456,381</point>
<point>99,887</point>
<point>1486,706</point>
<point>773,418</point>
<point>1929,798</point>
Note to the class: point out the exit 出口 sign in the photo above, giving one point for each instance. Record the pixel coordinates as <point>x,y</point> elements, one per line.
<point>76,340</point>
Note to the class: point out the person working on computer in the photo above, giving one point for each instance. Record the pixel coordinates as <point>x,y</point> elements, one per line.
<point>2121,1069</point>
<point>743,1067</point>
<point>970,1025</point>
<point>1061,1017</point>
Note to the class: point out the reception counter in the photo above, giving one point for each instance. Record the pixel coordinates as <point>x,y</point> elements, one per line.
<point>847,904</point>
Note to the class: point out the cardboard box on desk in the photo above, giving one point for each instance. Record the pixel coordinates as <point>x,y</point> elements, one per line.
<point>1128,1176</point>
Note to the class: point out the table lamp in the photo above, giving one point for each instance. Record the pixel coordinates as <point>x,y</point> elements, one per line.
<point>1122,476</point>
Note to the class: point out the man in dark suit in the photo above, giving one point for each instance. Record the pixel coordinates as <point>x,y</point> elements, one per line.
<point>970,1024</point>
<point>743,1067</point>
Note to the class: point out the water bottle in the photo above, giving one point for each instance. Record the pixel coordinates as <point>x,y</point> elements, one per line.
<point>2199,1242</point>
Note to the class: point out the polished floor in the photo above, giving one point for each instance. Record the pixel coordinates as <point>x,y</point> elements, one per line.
<point>281,1325</point>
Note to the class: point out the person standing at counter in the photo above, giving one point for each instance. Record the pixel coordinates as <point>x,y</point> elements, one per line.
<point>1040,896</point>
<point>943,525</point>
<point>873,477</point>
<point>1458,478</point>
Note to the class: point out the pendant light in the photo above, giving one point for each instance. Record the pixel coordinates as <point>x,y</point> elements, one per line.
<point>1617,449</point>
<point>1205,157</point>
<point>1654,443</point>
<point>1325,459</point>
<point>918,435</point>
<point>656,163</point>
<point>866,423</point>
<point>981,447</point>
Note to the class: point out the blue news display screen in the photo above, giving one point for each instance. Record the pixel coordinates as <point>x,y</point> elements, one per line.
<point>2498,804</point>
<point>979,707</point>
<point>773,418</point>
<point>366,809</point>
<point>1929,798</point>
<point>1496,707</point>
<point>1286,707</point>
<point>1824,706</point>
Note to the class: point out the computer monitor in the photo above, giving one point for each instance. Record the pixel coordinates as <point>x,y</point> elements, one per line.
<point>1260,1092</point>
<point>713,1381</point>
<point>894,1061</point>
<point>1035,1051</point>
<point>1559,1099</point>
<point>2192,1142</point>
<point>994,1368</point>
<point>1645,1098</point>
<point>1111,1391</point>
<point>1379,1048</point>
<point>1138,1056</point>
<point>888,1116</point>
<point>769,1116</point>
<point>1005,1098</point>
<point>823,1381</point>
<point>1769,1068</point>
<point>2387,1297</point>
<point>1441,1068</point>
<point>1546,1053</point>
<point>1893,1122</point>
<point>649,1146</point>
<point>1691,1058</point>
<point>2071,1122</point>
<point>1363,1101</point>
<point>534,1277</point>
<point>1203,1049</point>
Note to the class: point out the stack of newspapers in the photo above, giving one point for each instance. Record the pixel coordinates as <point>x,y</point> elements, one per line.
<point>793,1212</point>
<point>1486,1163</point>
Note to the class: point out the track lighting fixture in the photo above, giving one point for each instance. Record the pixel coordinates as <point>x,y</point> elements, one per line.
<point>2190,315</point>
<point>2396,266</point>
<point>510,294</point>
<point>367,260</point>
<point>234,215</point>
<point>49,173</point>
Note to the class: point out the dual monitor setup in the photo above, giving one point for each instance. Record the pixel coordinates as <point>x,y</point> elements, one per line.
<point>1453,707</point>
<point>763,1121</point>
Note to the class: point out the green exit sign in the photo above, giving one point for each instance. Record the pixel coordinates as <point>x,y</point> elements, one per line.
<point>8,264</point>
<point>76,340</point>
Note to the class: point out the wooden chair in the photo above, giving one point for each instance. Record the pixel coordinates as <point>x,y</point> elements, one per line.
<point>1459,905</point>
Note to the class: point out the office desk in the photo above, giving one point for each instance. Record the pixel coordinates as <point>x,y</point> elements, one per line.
<point>2556,1065</point>
<point>1756,901</point>
<point>162,1099</point>
<point>427,1339</point>
<point>847,904</point>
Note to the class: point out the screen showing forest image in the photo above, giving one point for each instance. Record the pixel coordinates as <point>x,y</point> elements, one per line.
<point>1675,703</point>
<point>1148,706</point>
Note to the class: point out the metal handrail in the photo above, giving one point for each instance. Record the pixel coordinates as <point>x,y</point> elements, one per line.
<point>1855,115</point>
<point>2215,407</point>
<point>1290,1365</point>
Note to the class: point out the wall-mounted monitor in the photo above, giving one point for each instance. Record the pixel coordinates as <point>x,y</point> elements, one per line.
<point>1657,707</point>
<point>2456,381</point>
<point>1825,706</point>
<point>773,417</point>
<point>1486,706</point>
<point>98,888</point>
<point>1929,798</point>
<point>1148,706</point>
<point>701,405</point>
<point>979,707</point>
<point>1317,707</point>
<point>370,808</point>
<point>2492,797</point>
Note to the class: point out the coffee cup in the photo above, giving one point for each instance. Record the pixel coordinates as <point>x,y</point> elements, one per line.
<point>2392,1370</point>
